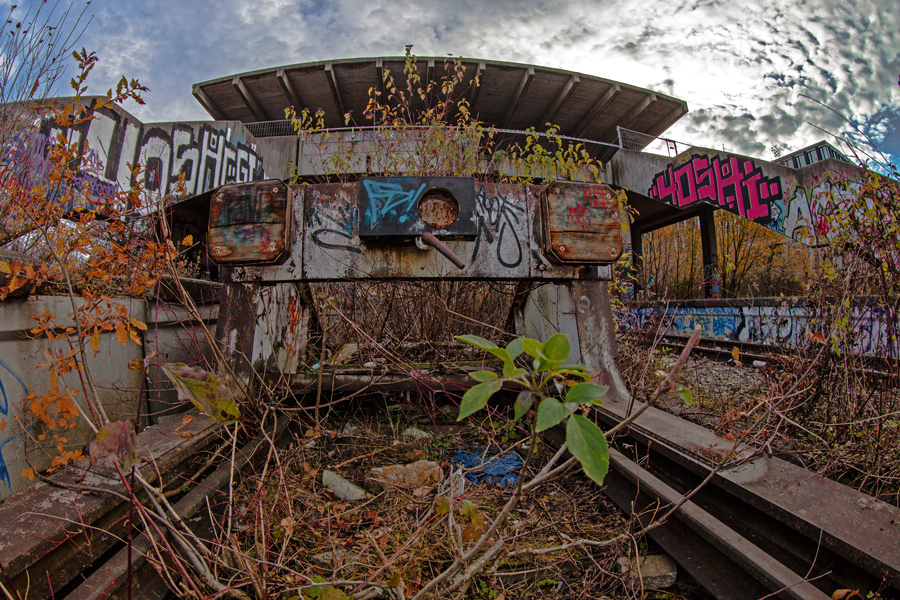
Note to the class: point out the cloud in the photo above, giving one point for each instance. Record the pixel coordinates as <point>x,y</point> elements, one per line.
<point>741,68</point>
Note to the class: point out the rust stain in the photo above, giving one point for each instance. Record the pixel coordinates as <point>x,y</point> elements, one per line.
<point>438,209</point>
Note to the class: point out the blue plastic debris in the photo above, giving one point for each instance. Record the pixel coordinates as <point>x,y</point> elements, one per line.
<point>490,468</point>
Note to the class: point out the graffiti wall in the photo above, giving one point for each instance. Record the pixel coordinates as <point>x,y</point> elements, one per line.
<point>794,202</point>
<point>765,323</point>
<point>207,154</point>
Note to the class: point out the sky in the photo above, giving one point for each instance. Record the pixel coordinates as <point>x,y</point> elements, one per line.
<point>746,69</point>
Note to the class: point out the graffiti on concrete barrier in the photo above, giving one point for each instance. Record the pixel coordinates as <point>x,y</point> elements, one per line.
<point>500,221</point>
<point>786,326</point>
<point>204,155</point>
<point>331,222</point>
<point>734,183</point>
<point>390,200</point>
<point>800,204</point>
<point>7,376</point>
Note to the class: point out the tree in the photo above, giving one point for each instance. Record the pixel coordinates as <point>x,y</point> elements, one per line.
<point>35,43</point>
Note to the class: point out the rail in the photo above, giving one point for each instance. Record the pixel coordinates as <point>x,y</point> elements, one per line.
<point>759,527</point>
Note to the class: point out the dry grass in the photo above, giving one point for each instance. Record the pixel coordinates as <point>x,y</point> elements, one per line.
<point>396,541</point>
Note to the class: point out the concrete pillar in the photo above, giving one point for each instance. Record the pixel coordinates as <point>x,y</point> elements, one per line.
<point>637,259</point>
<point>710,252</point>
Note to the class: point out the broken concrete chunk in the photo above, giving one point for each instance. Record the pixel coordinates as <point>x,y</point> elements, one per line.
<point>415,432</point>
<point>342,488</point>
<point>418,474</point>
<point>657,571</point>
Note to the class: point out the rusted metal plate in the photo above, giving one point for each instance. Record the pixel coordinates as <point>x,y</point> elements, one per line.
<point>250,223</point>
<point>333,248</point>
<point>400,208</point>
<point>581,223</point>
<point>327,245</point>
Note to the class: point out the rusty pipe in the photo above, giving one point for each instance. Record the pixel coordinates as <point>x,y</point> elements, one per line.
<point>429,239</point>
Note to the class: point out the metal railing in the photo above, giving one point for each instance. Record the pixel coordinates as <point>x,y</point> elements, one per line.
<point>643,142</point>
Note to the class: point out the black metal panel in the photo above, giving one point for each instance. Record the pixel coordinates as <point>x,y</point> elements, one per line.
<point>389,207</point>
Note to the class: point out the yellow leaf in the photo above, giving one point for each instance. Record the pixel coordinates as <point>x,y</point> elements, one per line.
<point>29,473</point>
<point>121,333</point>
<point>736,355</point>
<point>188,241</point>
<point>139,324</point>
<point>95,339</point>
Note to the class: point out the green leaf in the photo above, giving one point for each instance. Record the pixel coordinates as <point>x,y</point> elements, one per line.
<point>685,394</point>
<point>588,444</point>
<point>551,412</point>
<point>515,347</point>
<point>483,376</point>
<point>533,348</point>
<point>478,342</point>
<point>585,392</point>
<point>476,397</point>
<point>524,402</point>
<point>501,353</point>
<point>557,348</point>
<point>204,390</point>
<point>509,368</point>
<point>575,373</point>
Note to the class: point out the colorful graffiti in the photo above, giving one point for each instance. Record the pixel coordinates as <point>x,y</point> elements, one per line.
<point>387,199</point>
<point>206,155</point>
<point>799,204</point>
<point>730,182</point>
<point>786,326</point>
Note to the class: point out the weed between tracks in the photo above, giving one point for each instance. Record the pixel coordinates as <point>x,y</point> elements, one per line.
<point>831,420</point>
<point>290,529</point>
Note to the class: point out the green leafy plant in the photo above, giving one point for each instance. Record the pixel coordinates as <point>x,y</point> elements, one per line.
<point>562,391</point>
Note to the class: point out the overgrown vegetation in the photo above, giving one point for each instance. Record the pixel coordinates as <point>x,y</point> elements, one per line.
<point>434,543</point>
<point>833,404</point>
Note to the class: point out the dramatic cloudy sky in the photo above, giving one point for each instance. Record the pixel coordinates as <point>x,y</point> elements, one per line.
<point>743,67</point>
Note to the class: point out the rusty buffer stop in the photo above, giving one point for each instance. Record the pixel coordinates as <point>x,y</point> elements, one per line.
<point>271,240</point>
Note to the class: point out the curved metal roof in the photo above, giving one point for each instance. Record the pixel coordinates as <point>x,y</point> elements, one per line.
<point>511,96</point>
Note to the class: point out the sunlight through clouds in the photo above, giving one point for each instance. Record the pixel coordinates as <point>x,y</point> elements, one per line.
<point>741,67</point>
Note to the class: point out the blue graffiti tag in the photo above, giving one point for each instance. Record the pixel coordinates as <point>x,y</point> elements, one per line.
<point>4,408</point>
<point>389,199</point>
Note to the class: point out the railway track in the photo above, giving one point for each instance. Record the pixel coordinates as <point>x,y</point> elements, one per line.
<point>758,528</point>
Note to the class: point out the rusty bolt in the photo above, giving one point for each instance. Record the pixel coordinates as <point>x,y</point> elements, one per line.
<point>561,248</point>
<point>613,251</point>
<point>219,197</point>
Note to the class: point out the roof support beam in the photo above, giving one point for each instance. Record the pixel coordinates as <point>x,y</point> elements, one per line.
<point>430,72</point>
<point>517,97</point>
<point>475,89</point>
<point>249,101</point>
<point>288,88</point>
<point>667,121</point>
<point>379,80</point>
<point>588,119</point>
<point>561,98</point>
<point>611,134</point>
<point>335,90</point>
<point>214,111</point>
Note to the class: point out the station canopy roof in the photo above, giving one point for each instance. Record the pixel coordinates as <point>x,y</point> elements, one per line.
<point>511,96</point>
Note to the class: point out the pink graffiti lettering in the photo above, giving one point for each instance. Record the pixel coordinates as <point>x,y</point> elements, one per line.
<point>737,185</point>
